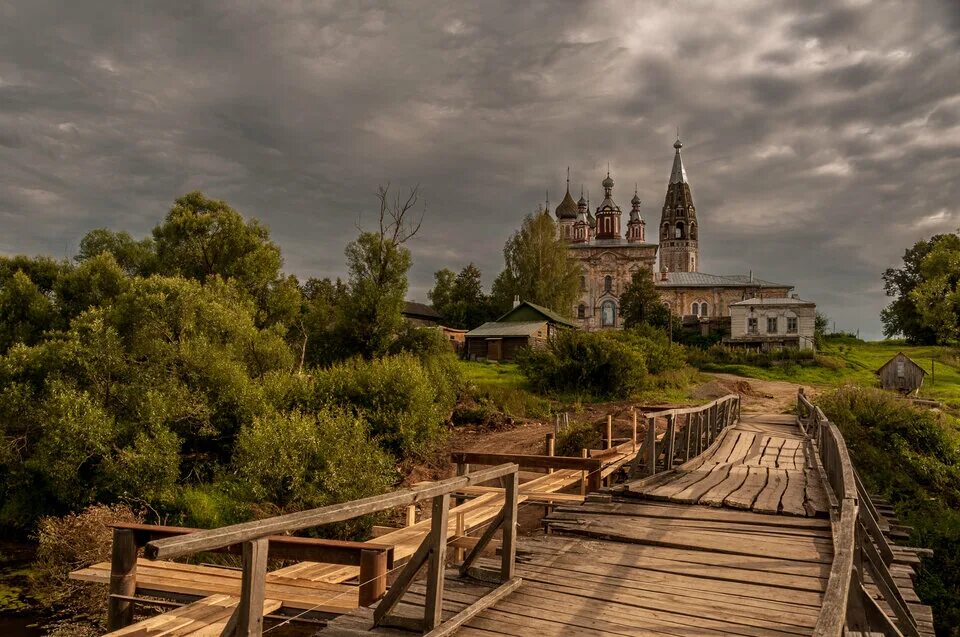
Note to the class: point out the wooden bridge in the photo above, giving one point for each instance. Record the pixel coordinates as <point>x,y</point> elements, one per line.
<point>730,526</point>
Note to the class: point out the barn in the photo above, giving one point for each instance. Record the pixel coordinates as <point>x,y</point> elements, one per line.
<point>901,374</point>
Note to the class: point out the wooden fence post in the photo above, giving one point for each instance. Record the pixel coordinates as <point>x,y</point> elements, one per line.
<point>123,579</point>
<point>411,515</point>
<point>253,582</point>
<point>686,436</point>
<point>551,447</point>
<point>508,546</point>
<point>651,444</point>
<point>609,441</point>
<point>458,553</point>
<point>433,604</point>
<point>669,440</point>
<point>634,430</point>
<point>583,474</point>
<point>373,576</point>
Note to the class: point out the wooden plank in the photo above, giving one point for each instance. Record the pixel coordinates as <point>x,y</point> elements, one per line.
<point>754,483</point>
<point>692,493</point>
<point>437,560</point>
<point>527,461</point>
<point>768,500</point>
<point>451,625</point>
<point>249,612</point>
<point>793,495</point>
<point>123,579</point>
<point>668,510</point>
<point>733,481</point>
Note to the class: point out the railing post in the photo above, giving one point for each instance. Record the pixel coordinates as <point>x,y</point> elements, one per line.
<point>651,444</point>
<point>669,439</point>
<point>686,436</point>
<point>249,612</point>
<point>123,579</point>
<point>551,446</point>
<point>583,474</point>
<point>433,604</point>
<point>508,547</point>
<point>373,576</point>
<point>462,469</point>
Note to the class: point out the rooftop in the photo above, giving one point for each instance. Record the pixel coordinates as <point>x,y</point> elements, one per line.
<point>499,329</point>
<point>774,301</point>
<point>702,279</point>
<point>412,308</point>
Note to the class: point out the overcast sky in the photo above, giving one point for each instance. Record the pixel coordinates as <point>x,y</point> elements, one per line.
<point>820,143</point>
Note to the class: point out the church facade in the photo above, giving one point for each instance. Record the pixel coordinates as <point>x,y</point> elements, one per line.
<point>611,255</point>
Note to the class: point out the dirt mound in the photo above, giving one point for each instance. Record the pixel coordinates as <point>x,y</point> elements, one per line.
<point>722,386</point>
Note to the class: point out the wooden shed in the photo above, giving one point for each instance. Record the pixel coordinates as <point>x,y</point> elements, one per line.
<point>500,341</point>
<point>901,374</point>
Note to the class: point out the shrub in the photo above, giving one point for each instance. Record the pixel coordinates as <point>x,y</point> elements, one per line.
<point>73,542</point>
<point>719,355</point>
<point>585,363</point>
<point>211,505</point>
<point>578,436</point>
<point>394,394</point>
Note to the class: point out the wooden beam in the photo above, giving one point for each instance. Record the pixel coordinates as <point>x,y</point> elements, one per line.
<point>123,579</point>
<point>373,577</point>
<point>669,440</point>
<point>433,604</point>
<point>510,501</point>
<point>249,612</point>
<point>482,542</point>
<point>450,626</point>
<point>216,538</point>
<point>651,445</point>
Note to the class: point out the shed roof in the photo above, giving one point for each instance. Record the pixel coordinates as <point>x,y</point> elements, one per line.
<point>774,302</point>
<point>498,329</point>
<point>904,357</point>
<point>548,314</point>
<point>412,308</point>
<point>702,279</point>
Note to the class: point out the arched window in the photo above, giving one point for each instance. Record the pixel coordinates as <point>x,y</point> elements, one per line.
<point>583,283</point>
<point>678,232</point>
<point>665,233</point>
<point>695,308</point>
<point>693,231</point>
<point>608,314</point>
<point>581,311</point>
<point>704,310</point>
<point>607,283</point>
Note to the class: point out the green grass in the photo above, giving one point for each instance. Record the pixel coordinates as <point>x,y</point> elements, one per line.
<point>847,360</point>
<point>505,375</point>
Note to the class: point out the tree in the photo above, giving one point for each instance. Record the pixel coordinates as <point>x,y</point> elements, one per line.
<point>537,268</point>
<point>902,317</point>
<point>820,325</point>
<point>641,303</point>
<point>134,257</point>
<point>937,295</point>
<point>459,298</point>
<point>371,312</point>
<point>25,312</point>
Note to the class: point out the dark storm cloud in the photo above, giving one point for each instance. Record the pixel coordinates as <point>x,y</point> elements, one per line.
<point>821,141</point>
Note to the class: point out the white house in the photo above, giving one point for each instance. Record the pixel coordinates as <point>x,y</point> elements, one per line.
<point>772,323</point>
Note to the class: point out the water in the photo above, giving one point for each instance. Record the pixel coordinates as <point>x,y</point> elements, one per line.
<point>19,627</point>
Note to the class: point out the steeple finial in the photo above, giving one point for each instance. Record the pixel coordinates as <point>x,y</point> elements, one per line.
<point>568,178</point>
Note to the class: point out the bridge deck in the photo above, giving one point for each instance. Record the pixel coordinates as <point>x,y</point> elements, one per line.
<point>761,463</point>
<point>650,569</point>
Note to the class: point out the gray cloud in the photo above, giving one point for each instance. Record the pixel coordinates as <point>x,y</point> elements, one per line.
<point>821,142</point>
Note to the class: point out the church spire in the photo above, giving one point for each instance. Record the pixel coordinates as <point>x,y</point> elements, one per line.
<point>679,231</point>
<point>678,175</point>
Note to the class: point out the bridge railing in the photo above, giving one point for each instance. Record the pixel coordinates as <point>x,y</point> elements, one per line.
<point>689,432</point>
<point>254,540</point>
<point>859,545</point>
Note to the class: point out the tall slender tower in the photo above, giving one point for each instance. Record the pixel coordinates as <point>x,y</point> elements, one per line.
<point>678,222</point>
<point>608,213</point>
<point>566,213</point>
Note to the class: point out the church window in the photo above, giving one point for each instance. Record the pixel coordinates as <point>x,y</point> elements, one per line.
<point>581,311</point>
<point>704,310</point>
<point>666,231</point>
<point>678,233</point>
<point>695,308</point>
<point>608,314</point>
<point>752,325</point>
<point>583,283</point>
<point>607,283</point>
<point>693,231</point>
<point>791,325</point>
<point>771,325</point>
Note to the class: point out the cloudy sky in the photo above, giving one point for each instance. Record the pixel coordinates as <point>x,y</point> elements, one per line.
<point>821,141</point>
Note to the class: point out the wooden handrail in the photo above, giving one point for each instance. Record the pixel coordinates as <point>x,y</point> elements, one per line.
<point>248,531</point>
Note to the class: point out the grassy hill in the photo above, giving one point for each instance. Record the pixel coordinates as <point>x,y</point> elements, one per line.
<point>845,360</point>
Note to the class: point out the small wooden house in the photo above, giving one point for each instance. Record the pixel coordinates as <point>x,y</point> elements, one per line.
<point>901,374</point>
<point>525,325</point>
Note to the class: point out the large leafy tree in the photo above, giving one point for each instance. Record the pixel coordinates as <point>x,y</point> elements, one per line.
<point>937,295</point>
<point>134,257</point>
<point>903,317</point>
<point>537,268</point>
<point>641,304</point>
<point>459,298</point>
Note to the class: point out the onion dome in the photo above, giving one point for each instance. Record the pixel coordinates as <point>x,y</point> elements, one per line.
<point>608,182</point>
<point>567,208</point>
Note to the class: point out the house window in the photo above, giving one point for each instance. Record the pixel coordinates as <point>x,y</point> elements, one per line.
<point>695,308</point>
<point>704,310</point>
<point>771,325</point>
<point>607,283</point>
<point>581,311</point>
<point>678,234</point>
<point>752,325</point>
<point>583,283</point>
<point>791,325</point>
<point>608,314</point>
<point>901,371</point>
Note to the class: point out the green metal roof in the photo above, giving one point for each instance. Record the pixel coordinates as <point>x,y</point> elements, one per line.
<point>499,329</point>
<point>548,314</point>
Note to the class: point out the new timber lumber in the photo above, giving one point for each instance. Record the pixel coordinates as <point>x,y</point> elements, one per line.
<point>216,538</point>
<point>527,461</point>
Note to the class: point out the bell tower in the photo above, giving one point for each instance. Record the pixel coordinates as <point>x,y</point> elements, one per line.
<point>679,233</point>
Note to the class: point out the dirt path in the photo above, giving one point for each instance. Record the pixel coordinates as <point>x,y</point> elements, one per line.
<point>758,396</point>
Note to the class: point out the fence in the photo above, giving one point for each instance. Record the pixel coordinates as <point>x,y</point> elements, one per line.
<point>859,545</point>
<point>258,540</point>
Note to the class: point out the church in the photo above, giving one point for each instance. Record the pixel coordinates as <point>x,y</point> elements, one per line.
<point>610,256</point>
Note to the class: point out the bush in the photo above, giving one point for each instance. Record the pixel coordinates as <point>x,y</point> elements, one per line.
<point>573,439</point>
<point>719,355</point>
<point>588,363</point>
<point>910,456</point>
<point>394,394</point>
<point>73,542</point>
<point>212,505</point>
